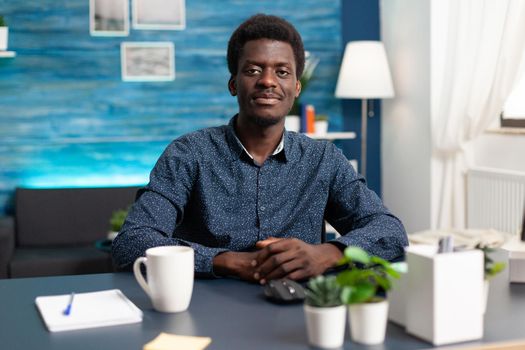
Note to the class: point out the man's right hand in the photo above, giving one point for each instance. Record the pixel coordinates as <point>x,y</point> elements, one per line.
<point>239,264</point>
<point>264,243</point>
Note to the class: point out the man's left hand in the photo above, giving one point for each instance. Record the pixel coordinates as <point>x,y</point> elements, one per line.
<point>294,259</point>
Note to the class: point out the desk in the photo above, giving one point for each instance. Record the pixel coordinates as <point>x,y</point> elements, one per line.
<point>233,313</point>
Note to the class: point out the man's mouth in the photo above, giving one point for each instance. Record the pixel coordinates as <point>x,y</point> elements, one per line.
<point>267,99</point>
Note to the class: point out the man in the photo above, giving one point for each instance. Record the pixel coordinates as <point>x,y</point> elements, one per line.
<point>250,197</point>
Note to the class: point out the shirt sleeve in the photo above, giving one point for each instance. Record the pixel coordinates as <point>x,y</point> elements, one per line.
<point>159,208</point>
<point>359,215</point>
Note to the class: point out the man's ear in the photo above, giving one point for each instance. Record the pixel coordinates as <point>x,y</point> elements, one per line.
<point>297,88</point>
<point>232,86</point>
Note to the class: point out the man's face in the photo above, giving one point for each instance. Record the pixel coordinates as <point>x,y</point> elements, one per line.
<point>265,83</point>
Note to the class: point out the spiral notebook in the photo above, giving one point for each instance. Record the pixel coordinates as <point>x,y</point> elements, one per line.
<point>88,310</point>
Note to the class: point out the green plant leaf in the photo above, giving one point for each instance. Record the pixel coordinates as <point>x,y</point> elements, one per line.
<point>383,282</point>
<point>386,266</point>
<point>379,261</point>
<point>490,267</point>
<point>349,277</point>
<point>362,293</point>
<point>323,291</point>
<point>346,295</point>
<point>392,272</point>
<point>117,219</point>
<point>344,278</point>
<point>357,254</point>
<point>495,269</point>
<point>360,285</point>
<point>342,261</point>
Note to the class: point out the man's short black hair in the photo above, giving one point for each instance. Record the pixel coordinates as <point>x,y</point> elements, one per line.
<point>263,26</point>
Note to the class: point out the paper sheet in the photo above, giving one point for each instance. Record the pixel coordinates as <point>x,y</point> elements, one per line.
<point>89,310</point>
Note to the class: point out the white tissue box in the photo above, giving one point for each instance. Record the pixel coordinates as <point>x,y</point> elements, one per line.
<point>444,295</point>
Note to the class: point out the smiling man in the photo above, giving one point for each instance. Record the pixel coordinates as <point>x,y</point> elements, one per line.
<point>250,197</point>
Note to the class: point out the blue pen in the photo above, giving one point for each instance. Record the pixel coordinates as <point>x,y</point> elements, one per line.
<point>67,310</point>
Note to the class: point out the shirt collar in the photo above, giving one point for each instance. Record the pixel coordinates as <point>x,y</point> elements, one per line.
<point>237,148</point>
<point>280,147</point>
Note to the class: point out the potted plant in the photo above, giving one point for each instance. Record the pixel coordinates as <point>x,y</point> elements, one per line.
<point>321,124</point>
<point>293,120</point>
<point>491,268</point>
<point>4,31</point>
<point>324,312</point>
<point>365,277</point>
<point>310,63</point>
<point>116,221</point>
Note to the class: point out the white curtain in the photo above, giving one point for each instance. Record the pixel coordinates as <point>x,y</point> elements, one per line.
<point>482,50</point>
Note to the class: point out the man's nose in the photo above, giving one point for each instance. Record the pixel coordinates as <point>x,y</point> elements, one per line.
<point>268,78</point>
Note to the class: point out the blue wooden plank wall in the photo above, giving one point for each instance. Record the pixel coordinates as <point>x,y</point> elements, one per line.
<point>67,119</point>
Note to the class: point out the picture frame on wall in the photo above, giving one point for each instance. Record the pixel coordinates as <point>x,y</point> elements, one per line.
<point>109,17</point>
<point>147,61</point>
<point>159,14</point>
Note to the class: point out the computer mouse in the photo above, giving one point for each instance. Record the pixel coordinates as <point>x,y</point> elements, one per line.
<point>284,291</point>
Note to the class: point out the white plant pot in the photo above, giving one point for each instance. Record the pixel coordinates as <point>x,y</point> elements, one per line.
<point>325,326</point>
<point>4,32</point>
<point>292,123</point>
<point>368,322</point>
<point>321,127</point>
<point>112,235</point>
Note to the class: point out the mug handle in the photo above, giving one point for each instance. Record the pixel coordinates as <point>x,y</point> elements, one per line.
<point>138,274</point>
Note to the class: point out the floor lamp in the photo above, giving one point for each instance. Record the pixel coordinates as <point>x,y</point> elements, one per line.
<point>364,74</point>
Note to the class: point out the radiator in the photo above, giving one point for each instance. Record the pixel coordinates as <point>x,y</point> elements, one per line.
<point>495,199</point>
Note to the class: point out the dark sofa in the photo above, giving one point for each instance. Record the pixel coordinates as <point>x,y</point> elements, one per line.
<point>54,231</point>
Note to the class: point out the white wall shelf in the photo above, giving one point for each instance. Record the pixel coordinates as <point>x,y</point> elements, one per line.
<point>7,54</point>
<point>331,136</point>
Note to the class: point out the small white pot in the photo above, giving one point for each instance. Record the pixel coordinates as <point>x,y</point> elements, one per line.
<point>112,235</point>
<point>325,326</point>
<point>368,322</point>
<point>292,123</point>
<point>4,32</point>
<point>321,127</point>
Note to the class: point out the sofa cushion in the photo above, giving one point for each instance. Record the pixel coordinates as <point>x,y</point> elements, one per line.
<point>32,262</point>
<point>65,216</point>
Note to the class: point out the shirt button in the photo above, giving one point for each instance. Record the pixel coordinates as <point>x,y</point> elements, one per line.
<point>262,208</point>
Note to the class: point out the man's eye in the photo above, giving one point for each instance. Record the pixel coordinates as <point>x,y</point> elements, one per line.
<point>253,71</point>
<point>283,73</point>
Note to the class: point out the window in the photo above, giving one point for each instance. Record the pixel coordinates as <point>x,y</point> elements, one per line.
<point>513,114</point>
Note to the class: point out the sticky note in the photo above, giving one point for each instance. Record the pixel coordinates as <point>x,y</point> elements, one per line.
<point>165,341</point>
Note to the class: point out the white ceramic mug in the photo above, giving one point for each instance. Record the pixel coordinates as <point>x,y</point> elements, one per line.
<point>170,271</point>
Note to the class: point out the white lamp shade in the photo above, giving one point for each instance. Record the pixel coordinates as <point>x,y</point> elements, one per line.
<point>364,72</point>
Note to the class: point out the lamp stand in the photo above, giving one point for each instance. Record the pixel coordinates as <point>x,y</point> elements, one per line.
<point>364,122</point>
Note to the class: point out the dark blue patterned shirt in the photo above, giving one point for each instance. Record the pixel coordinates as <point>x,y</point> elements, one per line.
<point>206,192</point>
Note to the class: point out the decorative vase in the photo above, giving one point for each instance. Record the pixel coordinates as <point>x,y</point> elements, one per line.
<point>4,33</point>
<point>321,127</point>
<point>368,322</point>
<point>292,123</point>
<point>325,326</point>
